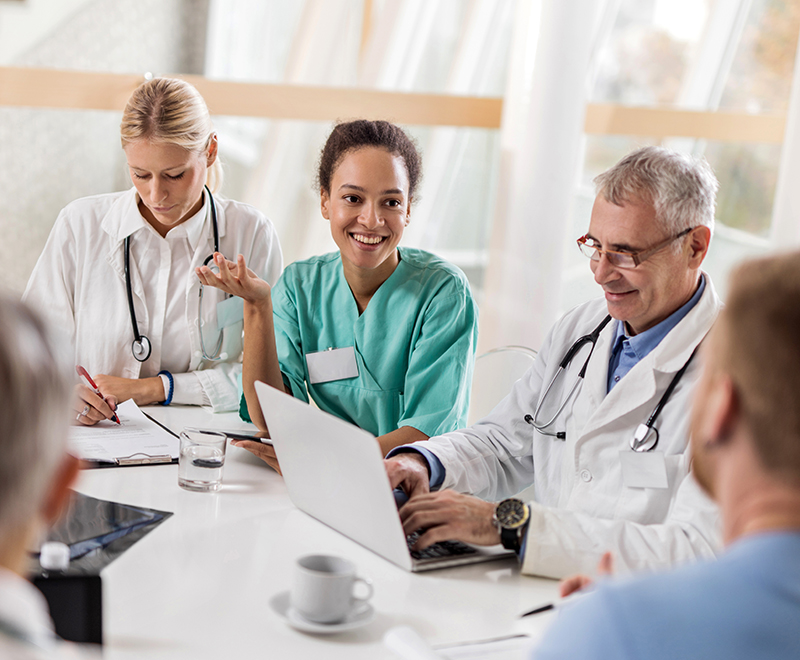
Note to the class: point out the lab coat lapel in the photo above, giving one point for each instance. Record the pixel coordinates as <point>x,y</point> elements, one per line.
<point>204,247</point>
<point>594,385</point>
<point>639,385</point>
<point>122,220</point>
<point>636,389</point>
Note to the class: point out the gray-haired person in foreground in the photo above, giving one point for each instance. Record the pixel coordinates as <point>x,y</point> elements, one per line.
<point>599,423</point>
<point>35,475</point>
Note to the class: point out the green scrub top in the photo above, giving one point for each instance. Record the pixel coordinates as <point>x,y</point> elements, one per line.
<point>414,344</point>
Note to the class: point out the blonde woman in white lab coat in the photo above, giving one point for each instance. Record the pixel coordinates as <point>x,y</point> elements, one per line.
<point>146,332</point>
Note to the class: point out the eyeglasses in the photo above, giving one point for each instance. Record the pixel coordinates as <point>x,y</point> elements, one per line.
<point>624,259</point>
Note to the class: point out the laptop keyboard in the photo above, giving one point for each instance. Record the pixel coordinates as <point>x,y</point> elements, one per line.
<point>440,549</point>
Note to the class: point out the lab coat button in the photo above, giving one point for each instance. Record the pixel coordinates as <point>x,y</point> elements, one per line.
<point>586,475</point>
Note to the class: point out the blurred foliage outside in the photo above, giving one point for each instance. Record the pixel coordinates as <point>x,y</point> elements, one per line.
<point>645,65</point>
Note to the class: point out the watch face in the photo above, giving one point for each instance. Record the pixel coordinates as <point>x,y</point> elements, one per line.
<point>511,513</point>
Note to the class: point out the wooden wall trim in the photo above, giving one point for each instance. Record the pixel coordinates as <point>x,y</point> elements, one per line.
<point>53,88</point>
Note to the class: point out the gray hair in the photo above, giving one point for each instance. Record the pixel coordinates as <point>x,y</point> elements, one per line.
<point>681,188</point>
<point>34,396</point>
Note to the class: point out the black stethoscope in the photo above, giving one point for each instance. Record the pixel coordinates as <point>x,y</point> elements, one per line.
<point>646,436</point>
<point>141,347</point>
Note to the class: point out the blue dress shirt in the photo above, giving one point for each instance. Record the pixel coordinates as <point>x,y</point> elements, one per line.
<point>628,351</point>
<point>744,605</point>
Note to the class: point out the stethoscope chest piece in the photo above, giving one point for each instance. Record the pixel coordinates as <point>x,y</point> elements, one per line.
<point>645,438</point>
<point>141,348</point>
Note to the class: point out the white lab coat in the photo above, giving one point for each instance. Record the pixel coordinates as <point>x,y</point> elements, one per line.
<point>582,507</point>
<point>79,283</point>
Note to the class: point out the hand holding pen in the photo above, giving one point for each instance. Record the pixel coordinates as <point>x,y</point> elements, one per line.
<point>93,407</point>
<point>575,586</point>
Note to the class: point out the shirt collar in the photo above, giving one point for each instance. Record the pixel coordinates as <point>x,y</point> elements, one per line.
<point>194,228</point>
<point>646,341</point>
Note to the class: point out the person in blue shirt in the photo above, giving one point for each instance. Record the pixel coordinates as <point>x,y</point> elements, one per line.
<point>745,446</point>
<point>379,335</point>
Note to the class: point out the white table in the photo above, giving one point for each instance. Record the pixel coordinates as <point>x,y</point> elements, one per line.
<point>198,586</point>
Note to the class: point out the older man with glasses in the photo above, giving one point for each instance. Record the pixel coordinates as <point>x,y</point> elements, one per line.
<point>599,424</point>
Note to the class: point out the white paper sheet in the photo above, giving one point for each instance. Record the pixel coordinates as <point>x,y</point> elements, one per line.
<point>136,437</point>
<point>516,647</point>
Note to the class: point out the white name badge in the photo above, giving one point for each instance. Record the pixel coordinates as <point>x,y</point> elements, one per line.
<point>333,364</point>
<point>644,469</point>
<point>229,311</point>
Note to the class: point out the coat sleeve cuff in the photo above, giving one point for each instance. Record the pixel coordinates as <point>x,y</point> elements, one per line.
<point>220,387</point>
<point>188,391</point>
<point>435,467</point>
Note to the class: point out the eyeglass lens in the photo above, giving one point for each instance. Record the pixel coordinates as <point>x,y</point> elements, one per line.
<point>615,258</point>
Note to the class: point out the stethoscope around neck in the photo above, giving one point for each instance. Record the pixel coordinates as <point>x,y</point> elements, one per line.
<point>141,347</point>
<point>646,436</point>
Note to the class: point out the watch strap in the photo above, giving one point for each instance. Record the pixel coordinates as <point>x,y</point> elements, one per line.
<point>512,538</point>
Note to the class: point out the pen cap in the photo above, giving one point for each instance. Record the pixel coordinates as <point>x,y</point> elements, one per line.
<point>54,556</point>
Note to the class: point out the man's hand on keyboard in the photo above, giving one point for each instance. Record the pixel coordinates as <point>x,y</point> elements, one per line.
<point>408,471</point>
<point>449,515</point>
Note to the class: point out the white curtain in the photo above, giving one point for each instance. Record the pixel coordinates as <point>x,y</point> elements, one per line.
<point>786,210</point>
<point>541,145</point>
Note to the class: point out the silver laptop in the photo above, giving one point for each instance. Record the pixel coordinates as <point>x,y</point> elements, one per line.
<point>334,472</point>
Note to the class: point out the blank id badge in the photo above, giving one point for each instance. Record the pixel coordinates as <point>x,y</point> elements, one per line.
<point>229,311</point>
<point>333,364</point>
<point>644,469</point>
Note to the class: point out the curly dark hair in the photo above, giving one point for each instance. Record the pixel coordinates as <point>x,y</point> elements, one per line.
<point>352,135</point>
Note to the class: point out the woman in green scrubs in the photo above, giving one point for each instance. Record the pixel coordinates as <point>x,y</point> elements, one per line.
<point>379,335</point>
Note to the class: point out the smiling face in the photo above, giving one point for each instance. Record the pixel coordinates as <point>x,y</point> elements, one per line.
<point>169,180</point>
<point>646,295</point>
<point>368,207</point>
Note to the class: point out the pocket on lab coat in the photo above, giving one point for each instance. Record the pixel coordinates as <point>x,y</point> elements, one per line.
<point>651,505</point>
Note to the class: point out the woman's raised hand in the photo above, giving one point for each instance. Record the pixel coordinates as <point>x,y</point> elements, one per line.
<point>236,279</point>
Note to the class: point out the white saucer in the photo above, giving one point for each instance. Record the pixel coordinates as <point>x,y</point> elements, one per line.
<point>280,605</point>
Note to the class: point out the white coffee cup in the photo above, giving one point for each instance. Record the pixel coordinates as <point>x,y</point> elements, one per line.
<point>323,587</point>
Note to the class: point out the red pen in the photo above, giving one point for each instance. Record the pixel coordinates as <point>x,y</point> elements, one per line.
<point>88,380</point>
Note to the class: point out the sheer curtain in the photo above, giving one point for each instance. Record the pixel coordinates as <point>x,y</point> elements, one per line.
<point>786,211</point>
<point>542,133</point>
<point>430,46</point>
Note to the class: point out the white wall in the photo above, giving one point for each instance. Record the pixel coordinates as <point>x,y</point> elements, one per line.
<point>51,157</point>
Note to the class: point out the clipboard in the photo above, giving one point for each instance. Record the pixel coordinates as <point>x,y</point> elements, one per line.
<point>138,440</point>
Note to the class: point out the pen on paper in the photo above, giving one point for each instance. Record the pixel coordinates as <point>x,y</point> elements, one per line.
<point>554,606</point>
<point>99,462</point>
<point>539,610</point>
<point>91,384</point>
